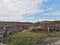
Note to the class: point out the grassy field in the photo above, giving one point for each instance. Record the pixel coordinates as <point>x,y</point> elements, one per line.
<point>29,38</point>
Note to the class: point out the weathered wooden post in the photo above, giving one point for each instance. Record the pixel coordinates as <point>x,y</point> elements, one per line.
<point>48,30</point>
<point>5,31</point>
<point>49,34</point>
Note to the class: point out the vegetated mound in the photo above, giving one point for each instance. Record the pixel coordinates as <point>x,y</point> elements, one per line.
<point>30,23</point>
<point>46,23</point>
<point>50,22</point>
<point>13,23</point>
<point>25,38</point>
<point>31,38</point>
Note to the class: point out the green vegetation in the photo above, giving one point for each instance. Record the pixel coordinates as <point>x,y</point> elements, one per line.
<point>29,38</point>
<point>33,24</point>
<point>54,34</point>
<point>25,38</point>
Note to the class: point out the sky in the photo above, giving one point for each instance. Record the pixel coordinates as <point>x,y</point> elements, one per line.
<point>29,10</point>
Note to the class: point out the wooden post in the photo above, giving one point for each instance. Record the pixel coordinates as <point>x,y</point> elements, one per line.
<point>5,31</point>
<point>49,34</point>
<point>48,30</point>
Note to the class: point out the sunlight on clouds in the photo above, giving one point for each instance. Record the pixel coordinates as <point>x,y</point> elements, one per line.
<point>24,10</point>
<point>16,9</point>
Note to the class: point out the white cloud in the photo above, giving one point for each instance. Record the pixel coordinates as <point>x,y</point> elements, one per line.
<point>52,13</point>
<point>48,19</point>
<point>44,20</point>
<point>56,13</point>
<point>14,10</point>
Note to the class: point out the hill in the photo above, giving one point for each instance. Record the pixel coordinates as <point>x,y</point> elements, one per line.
<point>47,23</point>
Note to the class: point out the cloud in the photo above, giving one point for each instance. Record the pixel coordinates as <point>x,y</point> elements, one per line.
<point>56,13</point>
<point>44,20</point>
<point>15,10</point>
<point>48,19</point>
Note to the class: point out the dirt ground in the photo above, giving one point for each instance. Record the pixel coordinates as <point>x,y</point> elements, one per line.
<point>53,41</point>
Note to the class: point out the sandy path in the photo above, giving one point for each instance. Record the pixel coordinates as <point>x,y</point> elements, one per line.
<point>52,41</point>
